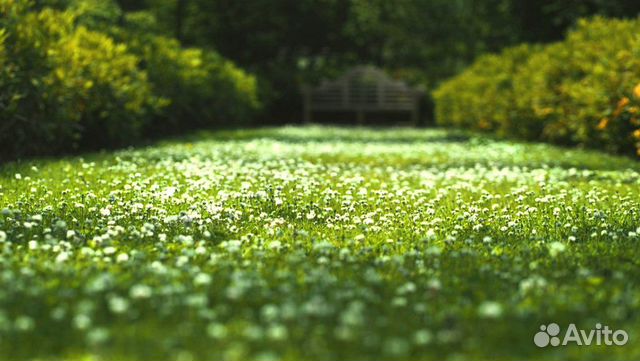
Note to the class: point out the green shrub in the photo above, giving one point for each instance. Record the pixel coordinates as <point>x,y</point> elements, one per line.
<point>482,97</point>
<point>585,97</point>
<point>72,76</point>
<point>99,81</point>
<point>577,91</point>
<point>205,90</point>
<point>63,86</point>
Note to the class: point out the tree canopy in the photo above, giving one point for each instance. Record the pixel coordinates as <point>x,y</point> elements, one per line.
<point>288,42</point>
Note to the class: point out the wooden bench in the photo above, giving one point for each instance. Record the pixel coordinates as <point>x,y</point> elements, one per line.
<point>361,90</point>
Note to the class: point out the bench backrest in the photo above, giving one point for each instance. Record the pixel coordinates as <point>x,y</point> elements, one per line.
<point>363,88</point>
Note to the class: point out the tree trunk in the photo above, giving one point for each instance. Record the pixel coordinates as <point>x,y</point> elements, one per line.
<point>180,13</point>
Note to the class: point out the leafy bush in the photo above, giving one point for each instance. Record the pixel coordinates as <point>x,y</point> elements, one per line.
<point>205,89</point>
<point>482,97</point>
<point>584,90</point>
<point>72,77</point>
<point>588,79</point>
<point>63,86</point>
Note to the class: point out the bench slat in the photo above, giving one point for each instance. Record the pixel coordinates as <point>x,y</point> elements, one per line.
<point>362,89</point>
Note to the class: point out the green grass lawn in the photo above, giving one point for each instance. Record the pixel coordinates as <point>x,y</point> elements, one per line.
<point>318,244</point>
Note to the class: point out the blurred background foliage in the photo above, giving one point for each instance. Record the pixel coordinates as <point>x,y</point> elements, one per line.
<point>94,73</point>
<point>287,42</point>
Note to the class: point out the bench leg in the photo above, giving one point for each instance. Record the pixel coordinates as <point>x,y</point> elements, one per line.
<point>306,108</point>
<point>414,118</point>
<point>307,116</point>
<point>360,117</point>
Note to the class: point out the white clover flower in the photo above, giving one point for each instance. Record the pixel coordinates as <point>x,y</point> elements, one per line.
<point>277,332</point>
<point>169,192</point>
<point>158,267</point>
<point>202,279</point>
<point>556,248</point>
<point>58,313</point>
<point>431,233</point>
<point>275,245</point>
<point>105,212</point>
<point>186,239</point>
<point>122,257</point>
<point>532,283</point>
<point>62,257</point>
<point>140,291</point>
<point>109,250</point>
<point>118,305</point>
<point>490,309</point>
<point>24,323</point>
<point>3,236</point>
<point>434,284</point>
<point>170,219</point>
<point>232,245</point>
<point>87,251</point>
<point>97,335</point>
<point>422,337</point>
<point>217,331</point>
<point>148,226</point>
<point>82,321</point>
<point>181,261</point>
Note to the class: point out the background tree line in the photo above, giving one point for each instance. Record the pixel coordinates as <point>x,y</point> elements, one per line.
<point>87,74</point>
<point>288,42</point>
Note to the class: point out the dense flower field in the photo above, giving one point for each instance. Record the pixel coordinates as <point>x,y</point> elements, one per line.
<point>318,244</point>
